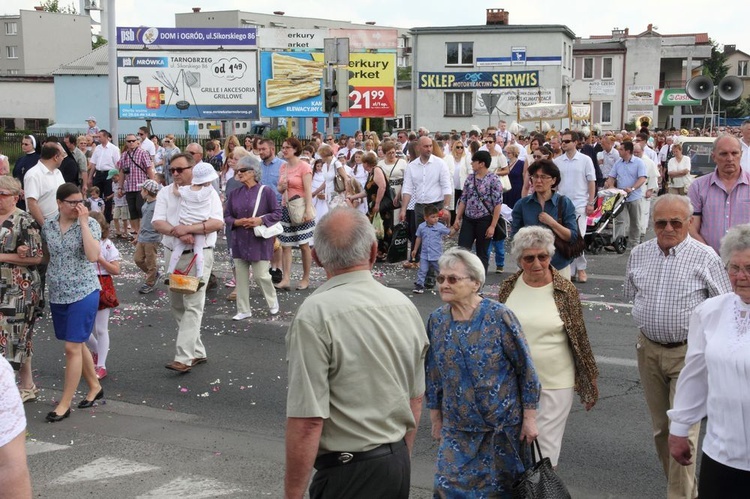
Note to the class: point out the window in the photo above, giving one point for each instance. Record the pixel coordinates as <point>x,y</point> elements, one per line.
<point>459,53</point>
<point>8,124</point>
<point>11,51</point>
<point>742,68</point>
<point>606,115</point>
<point>11,28</point>
<point>36,125</point>
<point>607,68</point>
<point>12,71</point>
<point>588,68</point>
<point>458,103</point>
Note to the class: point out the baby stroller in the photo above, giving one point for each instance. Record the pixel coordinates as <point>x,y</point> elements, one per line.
<point>600,225</point>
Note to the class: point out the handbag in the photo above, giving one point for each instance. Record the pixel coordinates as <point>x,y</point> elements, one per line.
<point>387,202</point>
<point>339,185</point>
<point>539,481</point>
<point>501,229</point>
<point>505,182</point>
<point>181,282</point>
<point>568,249</point>
<point>265,231</point>
<point>296,207</point>
<point>107,295</point>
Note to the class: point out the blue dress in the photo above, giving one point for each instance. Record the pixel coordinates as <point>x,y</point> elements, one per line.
<point>479,373</point>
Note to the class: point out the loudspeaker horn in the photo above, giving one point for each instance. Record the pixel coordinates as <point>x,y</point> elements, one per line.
<point>699,87</point>
<point>730,88</point>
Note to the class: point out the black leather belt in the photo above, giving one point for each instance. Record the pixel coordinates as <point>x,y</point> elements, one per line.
<point>333,459</point>
<point>673,345</point>
<point>191,250</point>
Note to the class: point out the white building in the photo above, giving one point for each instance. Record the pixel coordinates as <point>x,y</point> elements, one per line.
<point>456,68</point>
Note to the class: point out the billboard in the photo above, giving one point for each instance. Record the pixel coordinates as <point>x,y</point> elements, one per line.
<point>144,36</point>
<point>640,95</point>
<point>507,102</point>
<point>291,84</point>
<point>674,97</point>
<point>208,85</point>
<point>479,79</point>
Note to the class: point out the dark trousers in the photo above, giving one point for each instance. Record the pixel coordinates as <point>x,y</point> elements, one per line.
<point>456,196</point>
<point>386,477</point>
<point>105,188</point>
<point>472,232</point>
<point>718,481</point>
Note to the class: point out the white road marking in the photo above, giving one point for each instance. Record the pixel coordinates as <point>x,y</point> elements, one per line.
<point>37,447</point>
<point>606,304</point>
<point>103,468</point>
<point>193,487</point>
<point>615,361</point>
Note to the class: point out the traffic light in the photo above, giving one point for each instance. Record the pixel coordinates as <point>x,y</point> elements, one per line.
<point>330,100</point>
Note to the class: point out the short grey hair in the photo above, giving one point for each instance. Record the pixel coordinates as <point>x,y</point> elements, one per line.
<point>473,264</point>
<point>252,163</point>
<point>737,239</point>
<point>726,136</point>
<point>339,246</point>
<point>673,198</point>
<point>532,237</point>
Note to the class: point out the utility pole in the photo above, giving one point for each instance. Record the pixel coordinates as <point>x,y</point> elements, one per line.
<point>335,57</point>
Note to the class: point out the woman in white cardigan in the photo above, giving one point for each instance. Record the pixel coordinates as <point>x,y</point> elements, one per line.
<point>459,166</point>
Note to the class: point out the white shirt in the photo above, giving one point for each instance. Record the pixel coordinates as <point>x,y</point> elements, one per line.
<point>714,381</point>
<point>652,176</point>
<point>106,157</point>
<point>149,147</point>
<point>664,152</point>
<point>110,253</point>
<point>675,166</point>
<point>427,182</point>
<point>608,160</point>
<point>168,209</point>
<point>41,183</point>
<point>745,161</point>
<point>647,151</point>
<point>575,175</point>
<point>13,422</point>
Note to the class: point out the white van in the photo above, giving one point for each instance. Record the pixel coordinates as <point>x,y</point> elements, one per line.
<point>698,149</point>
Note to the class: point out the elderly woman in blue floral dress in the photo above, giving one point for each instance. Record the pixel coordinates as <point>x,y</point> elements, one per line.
<point>482,389</point>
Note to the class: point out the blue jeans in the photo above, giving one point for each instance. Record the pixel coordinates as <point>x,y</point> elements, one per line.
<point>424,267</point>
<point>499,247</point>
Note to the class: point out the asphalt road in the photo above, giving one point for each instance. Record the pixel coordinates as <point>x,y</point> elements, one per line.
<point>218,431</point>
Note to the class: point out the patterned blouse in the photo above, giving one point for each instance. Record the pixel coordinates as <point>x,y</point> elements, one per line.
<point>480,193</point>
<point>70,276</point>
<point>569,307</point>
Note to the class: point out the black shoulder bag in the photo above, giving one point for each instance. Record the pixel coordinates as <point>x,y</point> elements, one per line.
<point>501,229</point>
<point>568,249</point>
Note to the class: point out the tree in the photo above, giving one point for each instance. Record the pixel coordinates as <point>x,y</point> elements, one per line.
<point>403,73</point>
<point>716,66</point>
<point>54,6</point>
<point>98,41</point>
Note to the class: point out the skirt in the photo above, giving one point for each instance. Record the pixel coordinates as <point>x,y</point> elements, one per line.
<point>295,235</point>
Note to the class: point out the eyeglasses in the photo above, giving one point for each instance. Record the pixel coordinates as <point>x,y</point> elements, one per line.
<point>566,141</point>
<point>459,147</point>
<point>530,258</point>
<point>130,141</point>
<point>73,203</point>
<point>450,278</point>
<point>662,224</point>
<point>6,194</point>
<point>242,170</point>
<point>179,170</point>
<point>167,141</point>
<point>489,142</point>
<point>735,270</point>
<point>541,177</point>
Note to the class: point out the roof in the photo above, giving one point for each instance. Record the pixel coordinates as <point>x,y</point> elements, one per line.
<point>494,28</point>
<point>700,38</point>
<point>95,63</point>
<point>599,46</point>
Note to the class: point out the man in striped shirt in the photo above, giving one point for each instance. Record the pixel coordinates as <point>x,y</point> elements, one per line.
<point>667,278</point>
<point>722,198</point>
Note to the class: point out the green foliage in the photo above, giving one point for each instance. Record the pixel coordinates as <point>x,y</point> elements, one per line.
<point>716,67</point>
<point>278,135</point>
<point>377,125</point>
<point>98,41</point>
<point>54,6</point>
<point>738,109</point>
<point>403,73</point>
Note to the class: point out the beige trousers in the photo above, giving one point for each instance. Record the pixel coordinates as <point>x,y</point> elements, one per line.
<point>262,279</point>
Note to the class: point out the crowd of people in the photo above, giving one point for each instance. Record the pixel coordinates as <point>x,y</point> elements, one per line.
<point>495,372</point>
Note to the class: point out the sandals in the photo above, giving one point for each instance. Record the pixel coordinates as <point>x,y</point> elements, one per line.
<point>28,394</point>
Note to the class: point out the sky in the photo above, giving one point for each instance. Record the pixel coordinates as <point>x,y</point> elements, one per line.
<point>725,26</point>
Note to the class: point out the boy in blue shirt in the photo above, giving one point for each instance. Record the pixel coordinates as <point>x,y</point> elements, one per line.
<point>430,238</point>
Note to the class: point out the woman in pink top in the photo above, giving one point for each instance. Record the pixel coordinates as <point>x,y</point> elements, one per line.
<point>295,180</point>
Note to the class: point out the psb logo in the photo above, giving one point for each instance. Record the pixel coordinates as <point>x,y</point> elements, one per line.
<point>127,35</point>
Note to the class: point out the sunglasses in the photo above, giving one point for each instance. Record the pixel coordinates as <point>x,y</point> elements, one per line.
<point>566,141</point>
<point>130,141</point>
<point>73,203</point>
<point>167,141</point>
<point>459,147</point>
<point>242,170</point>
<point>489,141</point>
<point>450,278</point>
<point>537,156</point>
<point>662,224</point>
<point>179,170</point>
<point>531,258</point>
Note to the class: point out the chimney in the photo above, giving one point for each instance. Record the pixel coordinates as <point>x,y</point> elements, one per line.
<point>38,8</point>
<point>497,17</point>
<point>730,49</point>
<point>196,10</point>
<point>370,23</point>
<point>278,13</point>
<point>650,27</point>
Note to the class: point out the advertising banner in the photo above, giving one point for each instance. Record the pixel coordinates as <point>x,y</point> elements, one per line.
<point>291,84</point>
<point>368,39</point>
<point>603,87</point>
<point>208,85</point>
<point>479,79</point>
<point>291,39</point>
<point>506,104</point>
<point>640,94</point>
<point>165,37</point>
<point>674,97</point>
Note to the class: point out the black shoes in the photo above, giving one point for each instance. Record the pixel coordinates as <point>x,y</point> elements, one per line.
<point>84,404</point>
<point>53,417</point>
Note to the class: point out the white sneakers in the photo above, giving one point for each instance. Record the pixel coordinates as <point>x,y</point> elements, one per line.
<point>275,309</point>
<point>242,316</point>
